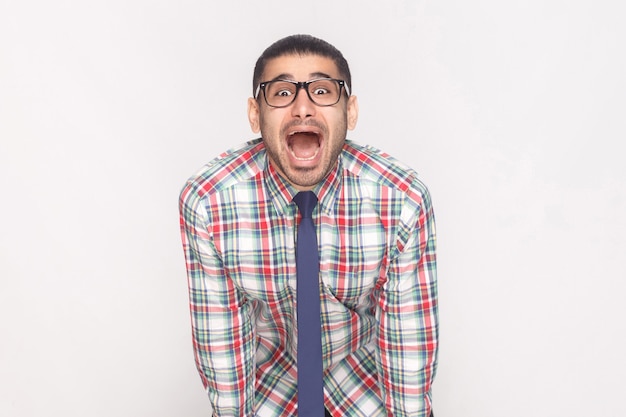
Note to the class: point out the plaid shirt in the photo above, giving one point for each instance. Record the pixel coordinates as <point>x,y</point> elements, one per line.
<point>378,285</point>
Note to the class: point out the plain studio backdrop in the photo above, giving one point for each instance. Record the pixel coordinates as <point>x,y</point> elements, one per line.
<point>513,113</point>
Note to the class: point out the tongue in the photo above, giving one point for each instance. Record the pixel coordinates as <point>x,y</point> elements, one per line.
<point>304,145</point>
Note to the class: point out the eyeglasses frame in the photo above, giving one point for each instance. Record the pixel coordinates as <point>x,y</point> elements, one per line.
<point>305,86</point>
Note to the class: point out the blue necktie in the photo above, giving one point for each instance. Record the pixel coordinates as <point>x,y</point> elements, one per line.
<point>310,372</point>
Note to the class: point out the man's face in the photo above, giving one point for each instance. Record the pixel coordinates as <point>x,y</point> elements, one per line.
<point>303,140</point>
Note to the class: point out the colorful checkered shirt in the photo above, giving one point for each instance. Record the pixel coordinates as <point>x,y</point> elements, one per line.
<point>376,236</point>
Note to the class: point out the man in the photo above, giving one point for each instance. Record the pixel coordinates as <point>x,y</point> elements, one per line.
<point>375,292</point>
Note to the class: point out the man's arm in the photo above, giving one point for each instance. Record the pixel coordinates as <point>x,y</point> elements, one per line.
<point>223,335</point>
<point>408,338</point>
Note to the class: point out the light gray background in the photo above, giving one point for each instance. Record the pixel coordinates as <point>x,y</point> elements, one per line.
<point>512,112</point>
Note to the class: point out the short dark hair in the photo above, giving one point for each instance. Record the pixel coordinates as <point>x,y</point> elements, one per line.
<point>301,45</point>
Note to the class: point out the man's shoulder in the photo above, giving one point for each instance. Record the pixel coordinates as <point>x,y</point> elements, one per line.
<point>371,164</point>
<point>228,169</point>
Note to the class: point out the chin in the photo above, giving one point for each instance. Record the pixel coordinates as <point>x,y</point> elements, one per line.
<point>307,178</point>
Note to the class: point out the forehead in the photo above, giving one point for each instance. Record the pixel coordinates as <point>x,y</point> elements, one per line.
<point>299,67</point>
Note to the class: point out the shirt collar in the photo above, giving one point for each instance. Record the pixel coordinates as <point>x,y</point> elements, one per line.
<point>282,192</point>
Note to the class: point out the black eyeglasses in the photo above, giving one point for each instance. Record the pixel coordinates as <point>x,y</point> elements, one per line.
<point>322,91</point>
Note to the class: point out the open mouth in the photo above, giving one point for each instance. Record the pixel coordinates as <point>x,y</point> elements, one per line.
<point>304,146</point>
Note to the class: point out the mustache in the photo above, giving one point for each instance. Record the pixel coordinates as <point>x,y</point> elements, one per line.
<point>299,123</point>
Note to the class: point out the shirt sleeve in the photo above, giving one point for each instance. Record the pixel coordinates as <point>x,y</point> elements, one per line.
<point>223,335</point>
<point>408,317</point>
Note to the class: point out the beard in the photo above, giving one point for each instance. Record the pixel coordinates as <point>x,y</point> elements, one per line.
<point>304,177</point>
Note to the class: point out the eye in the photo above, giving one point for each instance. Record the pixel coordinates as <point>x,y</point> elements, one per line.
<point>322,87</point>
<point>281,89</point>
<point>318,91</point>
<point>283,93</point>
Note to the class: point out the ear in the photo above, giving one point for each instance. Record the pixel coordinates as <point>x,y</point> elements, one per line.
<point>352,112</point>
<point>254,115</point>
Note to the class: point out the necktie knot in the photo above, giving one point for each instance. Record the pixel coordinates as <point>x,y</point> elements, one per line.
<point>306,202</point>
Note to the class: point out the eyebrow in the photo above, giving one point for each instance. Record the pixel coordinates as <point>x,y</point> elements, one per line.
<point>290,77</point>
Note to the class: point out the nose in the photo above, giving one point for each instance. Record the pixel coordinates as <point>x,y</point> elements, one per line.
<point>302,106</point>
